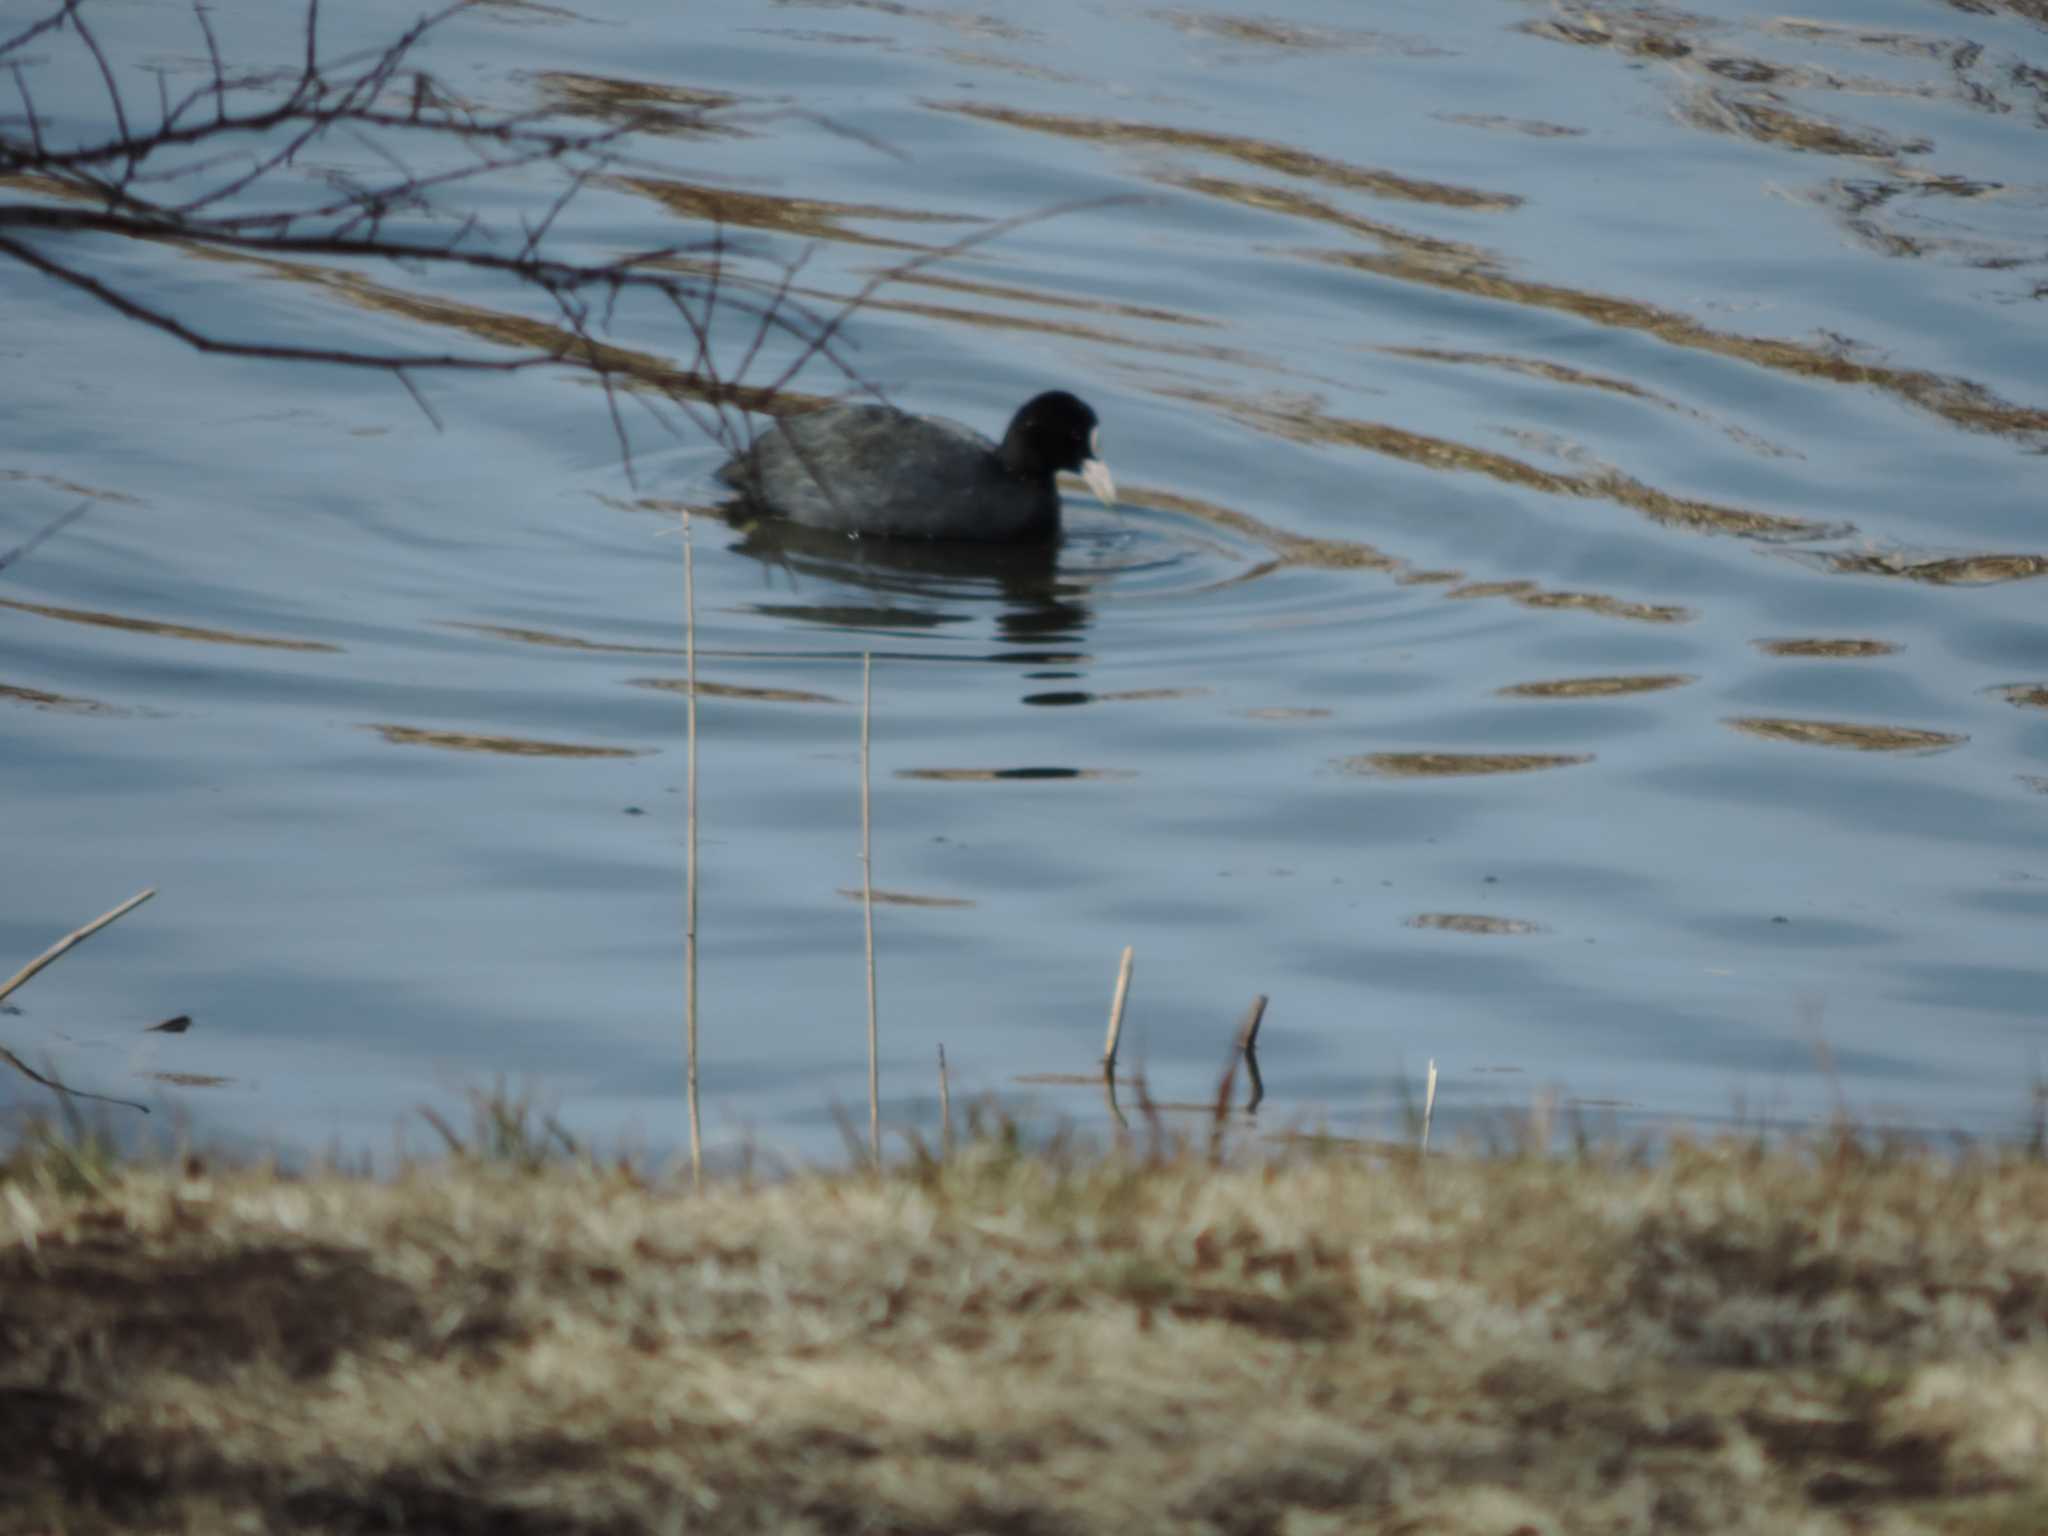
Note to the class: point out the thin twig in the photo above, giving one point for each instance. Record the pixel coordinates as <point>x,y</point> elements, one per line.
<point>690,856</point>
<point>1248,1048</point>
<point>903,269</point>
<point>701,333</point>
<point>35,122</point>
<point>76,936</point>
<point>312,44</point>
<point>1116,1012</point>
<point>115,300</point>
<point>418,399</point>
<point>92,45</point>
<point>945,1107</point>
<point>27,1071</point>
<point>61,521</point>
<point>867,903</point>
<point>54,19</point>
<point>220,79</point>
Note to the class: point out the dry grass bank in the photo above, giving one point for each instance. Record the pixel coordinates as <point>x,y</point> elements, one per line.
<point>1730,1342</point>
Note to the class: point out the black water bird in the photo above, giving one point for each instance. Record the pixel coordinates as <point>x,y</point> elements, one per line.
<point>873,471</point>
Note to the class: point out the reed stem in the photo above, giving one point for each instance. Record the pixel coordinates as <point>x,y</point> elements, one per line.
<point>75,937</point>
<point>1428,1103</point>
<point>867,903</point>
<point>1116,1012</point>
<point>690,855</point>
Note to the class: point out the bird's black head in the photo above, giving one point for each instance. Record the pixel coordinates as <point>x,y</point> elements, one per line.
<point>1050,432</point>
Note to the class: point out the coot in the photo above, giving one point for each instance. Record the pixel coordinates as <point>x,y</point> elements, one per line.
<point>875,471</point>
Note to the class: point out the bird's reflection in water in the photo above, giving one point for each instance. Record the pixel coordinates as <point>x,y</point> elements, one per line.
<point>919,585</point>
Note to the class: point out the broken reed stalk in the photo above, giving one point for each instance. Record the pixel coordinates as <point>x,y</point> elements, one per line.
<point>1248,1048</point>
<point>75,937</point>
<point>867,904</point>
<point>690,855</point>
<point>1116,1013</point>
<point>945,1108</point>
<point>1428,1103</point>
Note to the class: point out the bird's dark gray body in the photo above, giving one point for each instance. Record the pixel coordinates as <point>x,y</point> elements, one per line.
<point>874,471</point>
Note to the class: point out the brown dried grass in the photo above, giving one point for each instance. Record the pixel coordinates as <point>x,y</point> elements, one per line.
<point>1733,1340</point>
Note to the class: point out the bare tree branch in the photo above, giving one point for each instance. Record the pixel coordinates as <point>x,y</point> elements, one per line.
<point>35,122</point>
<point>220,79</point>
<point>242,192</point>
<point>135,310</point>
<point>36,28</point>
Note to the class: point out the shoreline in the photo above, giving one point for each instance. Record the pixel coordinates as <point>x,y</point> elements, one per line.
<point>1738,1338</point>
